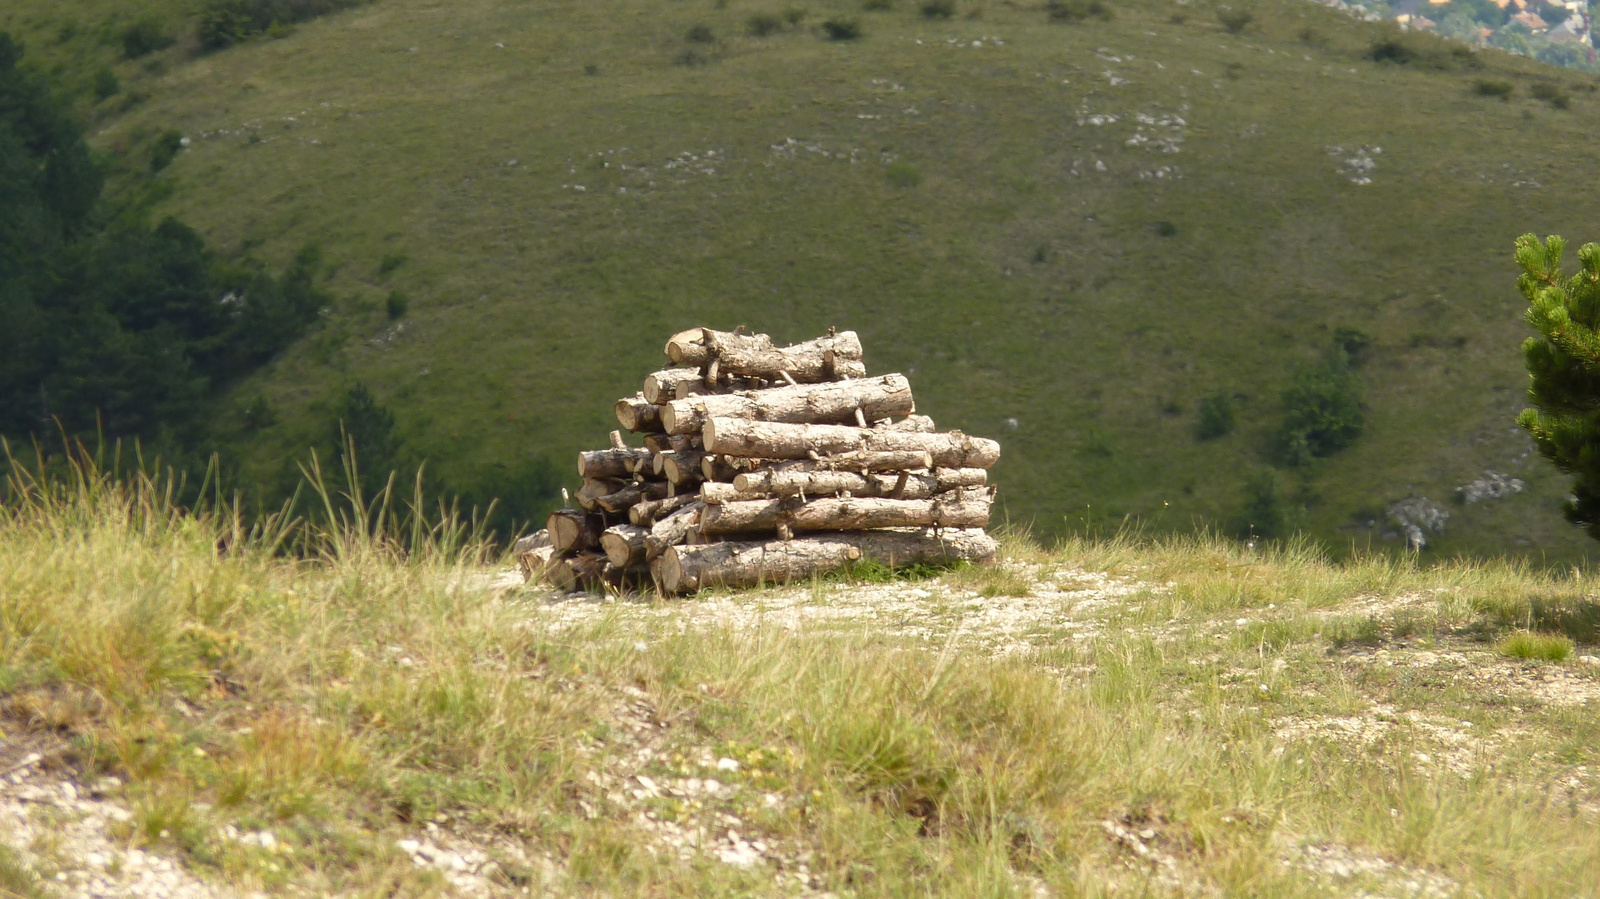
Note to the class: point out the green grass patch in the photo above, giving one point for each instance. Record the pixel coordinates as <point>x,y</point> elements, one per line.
<point>1535,647</point>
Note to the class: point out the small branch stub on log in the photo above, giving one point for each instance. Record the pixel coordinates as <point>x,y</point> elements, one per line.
<point>684,569</point>
<point>957,509</point>
<point>776,440</point>
<point>842,401</point>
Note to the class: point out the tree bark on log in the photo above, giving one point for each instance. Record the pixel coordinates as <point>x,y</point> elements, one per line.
<point>681,383</point>
<point>594,488</point>
<point>690,347</point>
<point>592,572</point>
<point>610,463</point>
<point>714,493</point>
<point>822,359</point>
<point>534,561</point>
<point>648,512</point>
<point>684,569</point>
<point>639,415</point>
<point>673,529</point>
<point>921,424</point>
<point>624,544</point>
<point>531,542</point>
<point>777,440</point>
<point>723,468</point>
<point>874,398</point>
<point>682,468</point>
<point>621,500</point>
<point>573,531</point>
<point>957,509</point>
<point>902,485</point>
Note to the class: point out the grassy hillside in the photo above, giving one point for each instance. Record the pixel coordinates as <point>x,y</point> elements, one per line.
<point>1085,226</point>
<point>1175,718</point>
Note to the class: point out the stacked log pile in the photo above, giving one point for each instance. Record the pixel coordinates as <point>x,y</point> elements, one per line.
<point>764,464</point>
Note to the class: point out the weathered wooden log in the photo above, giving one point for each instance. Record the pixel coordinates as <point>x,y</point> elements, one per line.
<point>580,571</point>
<point>680,383</point>
<point>531,542</point>
<point>691,347</point>
<point>715,493</point>
<point>815,482</point>
<point>573,531</point>
<point>874,398</point>
<point>823,359</point>
<point>593,573</point>
<point>620,501</point>
<point>646,513</point>
<point>594,488</point>
<point>684,569</point>
<point>624,544</point>
<point>682,468</point>
<point>534,561</point>
<point>610,463</point>
<point>639,415</point>
<point>956,509</point>
<point>672,530</point>
<point>778,440</point>
<point>723,468</point>
<point>920,423</point>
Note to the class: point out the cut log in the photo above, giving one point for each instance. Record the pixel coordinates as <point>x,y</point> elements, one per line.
<point>534,561</point>
<point>713,493</point>
<point>875,398</point>
<point>956,509</point>
<point>531,542</point>
<point>684,569</point>
<point>690,347</point>
<point>673,529</point>
<point>639,415</point>
<point>662,387</point>
<point>823,359</point>
<point>593,573</point>
<point>903,485</point>
<point>723,468</point>
<point>620,501</point>
<point>624,544</point>
<point>647,512</point>
<point>610,463</point>
<point>777,440</point>
<point>583,571</point>
<point>922,424</point>
<point>594,488</point>
<point>573,531</point>
<point>682,468</point>
<point>680,383</point>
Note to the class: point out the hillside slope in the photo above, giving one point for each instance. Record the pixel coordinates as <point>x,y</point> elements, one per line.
<point>1083,226</point>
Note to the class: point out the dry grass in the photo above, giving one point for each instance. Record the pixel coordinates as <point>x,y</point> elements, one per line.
<point>1218,735</point>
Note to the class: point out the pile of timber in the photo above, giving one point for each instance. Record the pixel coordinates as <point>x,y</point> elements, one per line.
<point>764,464</point>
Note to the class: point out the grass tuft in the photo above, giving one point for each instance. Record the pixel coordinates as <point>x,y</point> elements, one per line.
<point>1534,647</point>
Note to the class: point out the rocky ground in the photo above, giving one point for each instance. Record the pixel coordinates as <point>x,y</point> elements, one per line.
<point>701,803</point>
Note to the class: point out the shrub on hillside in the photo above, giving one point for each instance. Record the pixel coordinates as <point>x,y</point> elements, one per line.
<point>1550,93</point>
<point>1321,412</point>
<point>841,29</point>
<point>106,83</point>
<point>762,24</point>
<point>701,34</point>
<point>1235,21</point>
<point>1429,51</point>
<point>877,5</point>
<point>939,9</point>
<point>1216,416</point>
<point>1267,510</point>
<point>1079,10</point>
<point>144,37</point>
<point>165,149</point>
<point>226,22</point>
<point>1486,87</point>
